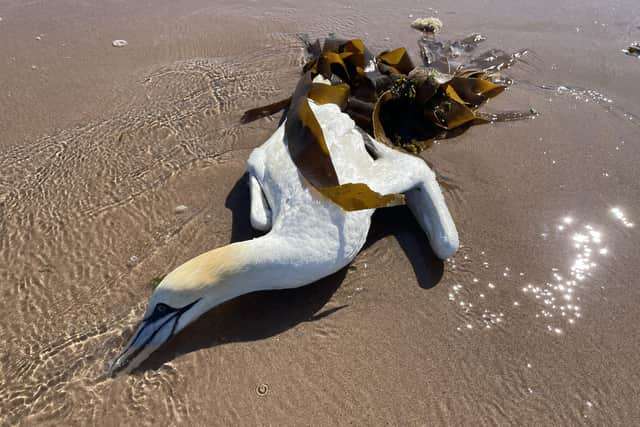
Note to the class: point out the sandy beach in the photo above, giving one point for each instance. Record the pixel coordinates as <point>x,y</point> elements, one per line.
<point>533,322</point>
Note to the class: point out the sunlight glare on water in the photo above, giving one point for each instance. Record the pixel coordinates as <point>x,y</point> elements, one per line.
<point>554,300</point>
<point>560,297</point>
<point>620,216</point>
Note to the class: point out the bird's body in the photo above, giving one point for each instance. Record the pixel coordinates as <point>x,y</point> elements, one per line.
<point>317,236</point>
<point>309,237</point>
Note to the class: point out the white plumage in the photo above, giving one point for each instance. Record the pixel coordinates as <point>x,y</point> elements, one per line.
<point>309,237</point>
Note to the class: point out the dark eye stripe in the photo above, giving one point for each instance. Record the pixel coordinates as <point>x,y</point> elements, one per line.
<point>161,310</point>
<point>171,314</point>
<point>175,317</point>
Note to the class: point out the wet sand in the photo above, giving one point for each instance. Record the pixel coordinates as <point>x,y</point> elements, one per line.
<point>534,322</point>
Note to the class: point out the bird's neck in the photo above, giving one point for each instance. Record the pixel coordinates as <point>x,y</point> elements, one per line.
<point>267,262</point>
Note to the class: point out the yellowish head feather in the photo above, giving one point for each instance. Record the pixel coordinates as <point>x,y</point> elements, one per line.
<point>206,269</point>
<point>196,277</point>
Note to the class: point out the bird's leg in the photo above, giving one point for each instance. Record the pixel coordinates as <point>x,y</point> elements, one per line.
<point>260,212</point>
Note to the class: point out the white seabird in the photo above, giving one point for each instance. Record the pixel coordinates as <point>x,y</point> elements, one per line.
<point>309,237</point>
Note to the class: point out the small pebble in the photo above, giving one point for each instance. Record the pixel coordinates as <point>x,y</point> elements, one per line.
<point>133,260</point>
<point>427,25</point>
<point>33,67</point>
<point>119,43</point>
<point>39,38</point>
<point>180,209</point>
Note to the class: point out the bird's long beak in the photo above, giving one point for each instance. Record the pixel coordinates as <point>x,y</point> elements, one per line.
<point>153,331</point>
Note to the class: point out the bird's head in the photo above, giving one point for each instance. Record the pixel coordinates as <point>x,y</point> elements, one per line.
<point>168,312</point>
<point>181,297</point>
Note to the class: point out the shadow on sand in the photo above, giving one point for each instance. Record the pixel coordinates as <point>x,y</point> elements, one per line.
<point>264,314</point>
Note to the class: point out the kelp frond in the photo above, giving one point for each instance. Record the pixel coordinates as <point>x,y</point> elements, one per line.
<point>397,103</point>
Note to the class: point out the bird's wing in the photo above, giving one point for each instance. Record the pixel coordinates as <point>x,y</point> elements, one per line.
<point>430,210</point>
<point>260,212</point>
<point>399,172</point>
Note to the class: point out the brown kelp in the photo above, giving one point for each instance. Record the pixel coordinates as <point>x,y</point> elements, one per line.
<point>633,49</point>
<point>310,153</point>
<point>399,104</point>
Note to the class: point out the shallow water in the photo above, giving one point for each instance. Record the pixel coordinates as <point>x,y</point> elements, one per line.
<point>533,322</point>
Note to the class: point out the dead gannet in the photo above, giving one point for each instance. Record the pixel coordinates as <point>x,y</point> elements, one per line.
<point>309,236</point>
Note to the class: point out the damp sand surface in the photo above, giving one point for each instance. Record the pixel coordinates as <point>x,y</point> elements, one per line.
<point>119,163</point>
